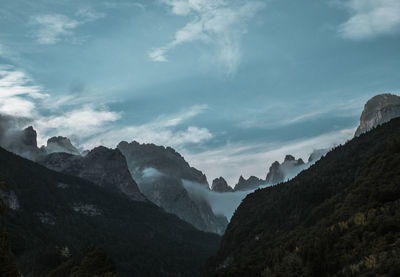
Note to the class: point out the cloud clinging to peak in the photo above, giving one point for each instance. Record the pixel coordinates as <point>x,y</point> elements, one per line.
<point>217,23</point>
<point>371,18</point>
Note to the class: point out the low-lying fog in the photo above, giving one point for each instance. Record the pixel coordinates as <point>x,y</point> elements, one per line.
<point>221,203</point>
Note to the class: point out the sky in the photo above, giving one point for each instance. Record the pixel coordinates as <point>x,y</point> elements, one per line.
<point>232,85</point>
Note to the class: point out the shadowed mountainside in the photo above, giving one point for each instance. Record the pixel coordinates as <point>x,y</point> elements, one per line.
<point>340,217</point>
<point>50,213</point>
<point>161,173</point>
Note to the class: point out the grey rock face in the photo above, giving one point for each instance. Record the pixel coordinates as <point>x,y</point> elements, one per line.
<point>274,175</point>
<point>220,185</point>
<point>289,168</point>
<point>251,183</point>
<point>378,110</point>
<point>161,158</point>
<point>102,166</point>
<point>23,143</point>
<point>160,172</point>
<point>60,144</point>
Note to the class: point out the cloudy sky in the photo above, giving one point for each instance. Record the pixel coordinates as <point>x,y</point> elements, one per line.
<point>231,84</point>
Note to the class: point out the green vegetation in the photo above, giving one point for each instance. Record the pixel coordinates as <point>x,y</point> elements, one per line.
<point>341,217</point>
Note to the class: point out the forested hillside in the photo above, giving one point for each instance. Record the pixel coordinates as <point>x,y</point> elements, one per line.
<point>341,217</point>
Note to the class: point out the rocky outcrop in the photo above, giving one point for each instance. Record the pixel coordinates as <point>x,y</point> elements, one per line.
<point>289,168</point>
<point>161,158</point>
<point>220,185</point>
<point>379,109</point>
<point>24,143</point>
<point>251,183</point>
<point>60,144</point>
<point>102,166</point>
<point>160,173</point>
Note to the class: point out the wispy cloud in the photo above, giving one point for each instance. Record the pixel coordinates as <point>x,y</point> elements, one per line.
<point>235,159</point>
<point>17,92</point>
<point>92,125</point>
<point>218,23</point>
<point>284,114</point>
<point>80,122</point>
<point>53,27</point>
<point>160,131</point>
<point>371,18</point>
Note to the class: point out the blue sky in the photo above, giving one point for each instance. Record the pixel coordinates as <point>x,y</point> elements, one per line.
<point>232,85</point>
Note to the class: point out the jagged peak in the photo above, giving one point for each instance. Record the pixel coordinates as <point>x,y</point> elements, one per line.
<point>289,158</point>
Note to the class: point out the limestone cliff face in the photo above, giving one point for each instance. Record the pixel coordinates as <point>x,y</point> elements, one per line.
<point>220,185</point>
<point>22,142</point>
<point>251,183</point>
<point>289,168</point>
<point>379,109</point>
<point>161,173</point>
<point>102,166</point>
<point>60,144</point>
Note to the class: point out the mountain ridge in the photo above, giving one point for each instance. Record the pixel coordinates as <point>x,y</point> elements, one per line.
<point>272,231</point>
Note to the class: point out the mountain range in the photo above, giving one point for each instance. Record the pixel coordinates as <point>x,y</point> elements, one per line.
<point>340,217</point>
<point>52,216</point>
<point>128,211</point>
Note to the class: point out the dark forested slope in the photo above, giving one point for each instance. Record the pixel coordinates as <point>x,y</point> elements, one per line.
<point>53,217</point>
<point>341,217</point>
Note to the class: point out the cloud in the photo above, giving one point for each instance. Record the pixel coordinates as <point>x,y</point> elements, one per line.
<point>371,18</point>
<point>87,14</point>
<point>94,125</point>
<point>81,122</point>
<point>52,27</point>
<point>17,92</point>
<point>281,114</point>
<point>163,131</point>
<point>218,23</point>
<point>235,159</point>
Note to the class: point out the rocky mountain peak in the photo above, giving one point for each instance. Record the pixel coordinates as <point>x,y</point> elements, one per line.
<point>162,175</point>
<point>61,144</point>
<point>289,158</point>
<point>164,159</point>
<point>279,172</point>
<point>274,175</point>
<point>29,137</point>
<point>102,166</point>
<point>220,185</point>
<point>378,110</point>
<point>251,183</point>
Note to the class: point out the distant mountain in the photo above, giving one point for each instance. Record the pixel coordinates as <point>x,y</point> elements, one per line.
<point>23,142</point>
<point>279,172</point>
<point>379,109</point>
<point>102,166</point>
<point>60,144</point>
<point>52,217</point>
<point>161,173</point>
<point>251,183</point>
<point>340,217</point>
<point>220,185</point>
